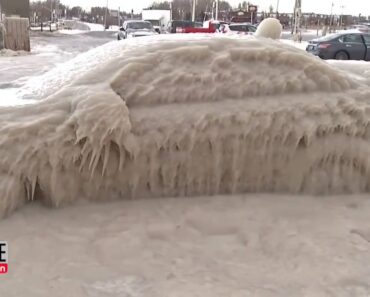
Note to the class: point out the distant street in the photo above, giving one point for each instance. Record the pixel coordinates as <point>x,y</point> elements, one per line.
<point>47,50</point>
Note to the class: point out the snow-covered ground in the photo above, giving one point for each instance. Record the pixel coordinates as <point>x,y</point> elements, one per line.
<point>306,34</point>
<point>230,245</point>
<point>250,245</point>
<point>72,32</point>
<point>95,27</point>
<point>48,51</point>
<point>301,45</point>
<point>99,27</point>
<point>11,53</point>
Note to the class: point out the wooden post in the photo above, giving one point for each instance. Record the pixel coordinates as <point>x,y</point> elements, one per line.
<point>17,36</point>
<point>2,36</point>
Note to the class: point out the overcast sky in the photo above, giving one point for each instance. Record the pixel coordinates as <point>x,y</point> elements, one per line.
<point>319,6</point>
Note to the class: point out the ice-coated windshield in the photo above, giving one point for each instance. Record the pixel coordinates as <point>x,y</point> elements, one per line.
<point>139,25</point>
<point>154,22</point>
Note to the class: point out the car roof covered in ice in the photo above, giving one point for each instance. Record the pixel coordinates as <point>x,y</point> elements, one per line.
<point>242,24</point>
<point>136,21</point>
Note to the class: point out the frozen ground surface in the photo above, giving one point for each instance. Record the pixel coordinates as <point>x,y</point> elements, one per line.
<point>72,32</point>
<point>252,245</point>
<point>239,245</point>
<point>306,34</point>
<point>99,27</point>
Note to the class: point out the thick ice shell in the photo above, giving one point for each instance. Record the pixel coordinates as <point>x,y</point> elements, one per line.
<point>189,115</point>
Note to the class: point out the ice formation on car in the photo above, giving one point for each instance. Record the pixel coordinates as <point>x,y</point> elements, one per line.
<point>183,116</point>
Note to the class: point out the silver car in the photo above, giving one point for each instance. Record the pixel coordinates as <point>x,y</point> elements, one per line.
<point>135,28</point>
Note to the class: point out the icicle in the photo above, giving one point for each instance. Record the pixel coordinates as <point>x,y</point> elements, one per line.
<point>106,157</point>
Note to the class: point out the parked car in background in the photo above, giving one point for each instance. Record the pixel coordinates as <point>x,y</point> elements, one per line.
<point>135,28</point>
<point>239,28</point>
<point>359,28</point>
<point>180,26</point>
<point>342,46</point>
<point>365,24</point>
<point>158,17</point>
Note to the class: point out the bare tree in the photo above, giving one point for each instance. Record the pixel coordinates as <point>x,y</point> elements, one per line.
<point>181,9</point>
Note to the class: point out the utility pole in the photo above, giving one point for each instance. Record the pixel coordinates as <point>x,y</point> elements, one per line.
<point>60,14</point>
<point>171,10</point>
<point>331,16</point>
<point>51,10</point>
<point>119,16</point>
<point>341,16</point>
<point>297,20</point>
<point>56,9</point>
<point>216,9</point>
<point>277,7</point>
<point>105,17</point>
<point>193,15</point>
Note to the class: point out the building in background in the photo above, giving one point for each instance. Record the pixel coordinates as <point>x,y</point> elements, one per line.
<point>248,15</point>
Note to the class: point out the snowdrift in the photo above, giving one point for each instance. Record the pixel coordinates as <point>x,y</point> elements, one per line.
<point>11,53</point>
<point>184,116</point>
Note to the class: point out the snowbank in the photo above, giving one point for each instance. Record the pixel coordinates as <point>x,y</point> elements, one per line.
<point>94,27</point>
<point>100,27</point>
<point>8,98</point>
<point>359,70</point>
<point>187,115</point>
<point>72,32</point>
<point>10,53</point>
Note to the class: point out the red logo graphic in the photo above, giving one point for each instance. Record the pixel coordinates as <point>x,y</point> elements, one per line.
<point>3,257</point>
<point>3,268</point>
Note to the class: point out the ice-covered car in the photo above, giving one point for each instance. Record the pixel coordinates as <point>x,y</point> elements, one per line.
<point>149,118</point>
<point>135,28</point>
<point>238,28</point>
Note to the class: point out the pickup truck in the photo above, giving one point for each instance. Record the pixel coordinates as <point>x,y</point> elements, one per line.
<point>190,27</point>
